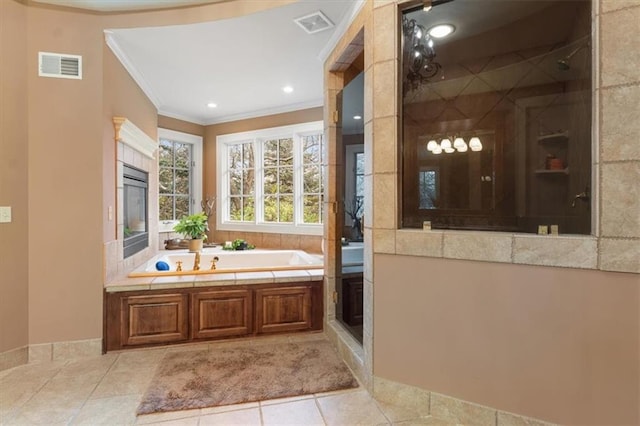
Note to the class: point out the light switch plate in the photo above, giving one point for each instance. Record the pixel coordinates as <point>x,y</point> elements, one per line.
<point>5,214</point>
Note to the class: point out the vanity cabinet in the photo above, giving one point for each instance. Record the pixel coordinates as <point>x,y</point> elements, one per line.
<point>159,317</point>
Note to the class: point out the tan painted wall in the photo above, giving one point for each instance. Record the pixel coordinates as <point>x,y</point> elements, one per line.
<point>552,343</point>
<point>122,98</point>
<point>65,181</point>
<point>258,239</point>
<point>14,272</point>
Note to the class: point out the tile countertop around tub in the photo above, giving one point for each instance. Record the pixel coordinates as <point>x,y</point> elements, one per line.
<point>208,280</point>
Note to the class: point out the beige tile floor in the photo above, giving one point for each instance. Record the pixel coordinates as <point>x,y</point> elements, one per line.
<point>106,390</point>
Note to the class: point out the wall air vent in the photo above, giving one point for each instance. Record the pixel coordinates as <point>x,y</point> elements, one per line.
<point>59,65</point>
<point>314,22</point>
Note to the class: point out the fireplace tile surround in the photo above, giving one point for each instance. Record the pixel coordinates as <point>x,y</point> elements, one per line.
<point>136,149</point>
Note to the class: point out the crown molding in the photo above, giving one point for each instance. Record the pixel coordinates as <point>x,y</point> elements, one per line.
<point>131,69</point>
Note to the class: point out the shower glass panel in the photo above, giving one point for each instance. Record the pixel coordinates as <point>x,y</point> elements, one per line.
<point>496,116</point>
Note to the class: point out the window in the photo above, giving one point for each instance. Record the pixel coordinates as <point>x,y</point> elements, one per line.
<point>179,176</point>
<point>271,180</point>
<point>278,180</point>
<point>312,194</point>
<point>496,121</point>
<point>241,182</point>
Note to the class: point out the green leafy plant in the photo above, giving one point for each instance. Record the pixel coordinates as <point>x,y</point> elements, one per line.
<point>193,226</point>
<point>239,245</point>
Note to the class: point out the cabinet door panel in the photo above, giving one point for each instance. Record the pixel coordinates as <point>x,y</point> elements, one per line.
<point>283,309</point>
<point>221,313</point>
<point>154,319</point>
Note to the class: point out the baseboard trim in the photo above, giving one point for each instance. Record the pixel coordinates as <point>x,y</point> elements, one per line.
<point>447,408</point>
<point>14,357</point>
<point>56,351</point>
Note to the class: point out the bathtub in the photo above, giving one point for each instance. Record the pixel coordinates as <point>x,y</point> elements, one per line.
<point>230,261</point>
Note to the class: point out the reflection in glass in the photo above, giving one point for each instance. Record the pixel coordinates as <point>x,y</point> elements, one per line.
<point>499,138</point>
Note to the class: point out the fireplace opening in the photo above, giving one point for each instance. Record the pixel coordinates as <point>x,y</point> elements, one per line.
<point>136,226</point>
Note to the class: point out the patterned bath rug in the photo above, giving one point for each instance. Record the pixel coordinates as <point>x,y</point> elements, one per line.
<point>232,375</point>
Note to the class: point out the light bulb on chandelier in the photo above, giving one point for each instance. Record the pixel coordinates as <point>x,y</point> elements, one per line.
<point>475,144</point>
<point>459,144</point>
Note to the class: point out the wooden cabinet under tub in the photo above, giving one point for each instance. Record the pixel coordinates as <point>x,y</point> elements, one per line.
<point>165,316</point>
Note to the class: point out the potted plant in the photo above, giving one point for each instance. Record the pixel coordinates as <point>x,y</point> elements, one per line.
<point>193,226</point>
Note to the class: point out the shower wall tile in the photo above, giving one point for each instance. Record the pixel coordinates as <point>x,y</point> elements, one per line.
<point>384,201</point>
<point>576,252</point>
<point>620,131</point>
<point>611,5</point>
<point>620,255</point>
<point>384,37</point>
<point>620,215</point>
<point>474,246</point>
<point>368,202</point>
<point>367,255</point>
<point>369,144</point>
<point>620,49</point>
<point>384,145</point>
<point>368,95</point>
<point>384,241</point>
<point>384,88</point>
<point>367,304</point>
<point>411,242</point>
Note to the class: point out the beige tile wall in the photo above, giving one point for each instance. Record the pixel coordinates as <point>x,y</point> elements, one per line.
<point>615,243</point>
<point>616,172</point>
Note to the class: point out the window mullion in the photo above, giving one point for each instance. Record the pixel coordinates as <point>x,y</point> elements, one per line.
<point>297,180</point>
<point>259,180</point>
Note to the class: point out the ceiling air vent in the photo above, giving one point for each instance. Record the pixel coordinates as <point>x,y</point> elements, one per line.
<point>59,65</point>
<point>314,22</point>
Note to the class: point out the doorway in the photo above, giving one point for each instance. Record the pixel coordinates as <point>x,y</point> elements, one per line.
<point>349,305</point>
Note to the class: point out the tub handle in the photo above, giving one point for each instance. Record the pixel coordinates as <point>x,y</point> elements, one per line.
<point>213,263</point>
<point>179,266</point>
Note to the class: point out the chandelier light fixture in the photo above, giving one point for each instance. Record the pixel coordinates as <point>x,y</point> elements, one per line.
<point>458,145</point>
<point>418,54</point>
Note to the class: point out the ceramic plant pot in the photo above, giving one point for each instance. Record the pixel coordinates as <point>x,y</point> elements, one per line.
<point>195,245</point>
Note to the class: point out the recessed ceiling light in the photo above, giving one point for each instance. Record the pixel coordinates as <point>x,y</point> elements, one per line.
<point>287,89</point>
<point>357,117</point>
<point>212,105</point>
<point>441,30</point>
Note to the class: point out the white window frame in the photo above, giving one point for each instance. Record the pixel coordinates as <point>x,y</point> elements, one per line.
<point>196,171</point>
<point>257,137</point>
